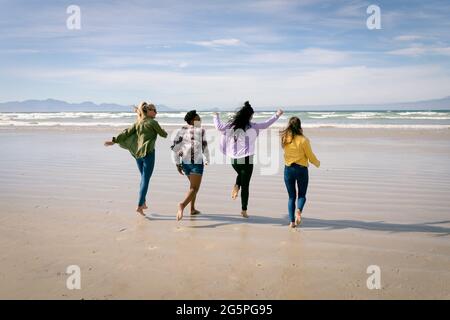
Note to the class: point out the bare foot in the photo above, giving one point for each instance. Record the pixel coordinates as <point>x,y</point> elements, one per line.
<point>298,218</point>
<point>180,212</point>
<point>292,225</point>
<point>140,210</point>
<point>195,212</point>
<point>244,213</point>
<point>235,192</point>
<point>144,206</point>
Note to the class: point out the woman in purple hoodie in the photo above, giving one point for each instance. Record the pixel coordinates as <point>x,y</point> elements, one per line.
<point>238,142</point>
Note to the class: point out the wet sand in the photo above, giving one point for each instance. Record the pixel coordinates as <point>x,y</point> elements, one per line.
<point>381,197</point>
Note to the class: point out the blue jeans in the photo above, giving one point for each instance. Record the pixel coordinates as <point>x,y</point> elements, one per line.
<point>296,175</point>
<point>145,166</point>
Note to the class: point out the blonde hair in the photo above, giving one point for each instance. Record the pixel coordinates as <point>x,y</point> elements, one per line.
<point>142,109</point>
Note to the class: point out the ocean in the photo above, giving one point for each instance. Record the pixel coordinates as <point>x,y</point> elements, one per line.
<point>310,119</point>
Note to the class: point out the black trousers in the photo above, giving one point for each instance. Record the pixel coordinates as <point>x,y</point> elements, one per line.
<point>244,170</point>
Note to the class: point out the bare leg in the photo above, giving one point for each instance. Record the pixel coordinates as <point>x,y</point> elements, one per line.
<point>180,212</point>
<point>235,192</point>
<point>195,181</point>
<point>298,218</point>
<point>193,210</point>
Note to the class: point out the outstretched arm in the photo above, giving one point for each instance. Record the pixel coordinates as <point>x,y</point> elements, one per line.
<point>122,136</point>
<point>268,122</point>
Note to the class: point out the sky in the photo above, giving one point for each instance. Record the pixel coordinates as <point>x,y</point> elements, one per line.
<point>214,53</point>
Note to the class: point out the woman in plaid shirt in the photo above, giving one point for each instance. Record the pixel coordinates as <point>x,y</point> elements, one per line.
<point>190,149</point>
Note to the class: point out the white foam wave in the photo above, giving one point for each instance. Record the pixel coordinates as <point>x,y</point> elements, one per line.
<point>65,115</point>
<point>210,125</point>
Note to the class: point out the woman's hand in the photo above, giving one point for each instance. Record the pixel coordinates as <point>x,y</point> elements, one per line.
<point>279,112</point>
<point>180,169</point>
<point>108,143</point>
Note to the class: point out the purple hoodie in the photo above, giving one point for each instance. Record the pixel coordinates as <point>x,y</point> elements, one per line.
<point>239,144</point>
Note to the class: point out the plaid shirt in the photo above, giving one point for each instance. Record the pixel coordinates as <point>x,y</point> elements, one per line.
<point>190,145</point>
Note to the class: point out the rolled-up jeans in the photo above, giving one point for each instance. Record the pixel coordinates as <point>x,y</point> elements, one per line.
<point>296,175</point>
<point>145,166</point>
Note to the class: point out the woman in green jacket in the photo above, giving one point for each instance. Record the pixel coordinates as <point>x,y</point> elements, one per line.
<point>140,139</point>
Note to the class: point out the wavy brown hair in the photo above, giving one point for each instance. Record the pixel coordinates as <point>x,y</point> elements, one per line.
<point>294,128</point>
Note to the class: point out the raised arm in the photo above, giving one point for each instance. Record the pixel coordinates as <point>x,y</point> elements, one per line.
<point>268,122</point>
<point>309,153</point>
<point>218,123</point>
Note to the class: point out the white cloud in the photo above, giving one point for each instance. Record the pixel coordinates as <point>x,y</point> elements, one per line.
<point>442,51</point>
<point>20,51</point>
<point>326,86</point>
<point>411,51</point>
<point>408,37</point>
<point>353,10</point>
<point>305,57</point>
<point>219,43</point>
<point>418,50</point>
<point>144,60</point>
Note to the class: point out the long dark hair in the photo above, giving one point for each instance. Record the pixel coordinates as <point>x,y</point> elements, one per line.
<point>241,120</point>
<point>294,128</point>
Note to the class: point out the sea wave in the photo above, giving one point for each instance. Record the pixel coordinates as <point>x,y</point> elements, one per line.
<point>210,125</point>
<point>313,119</point>
<point>361,115</point>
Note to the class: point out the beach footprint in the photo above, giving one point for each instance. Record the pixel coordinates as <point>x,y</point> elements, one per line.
<point>179,229</point>
<point>122,236</point>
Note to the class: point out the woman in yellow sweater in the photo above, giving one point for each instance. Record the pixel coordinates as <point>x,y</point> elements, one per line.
<point>297,155</point>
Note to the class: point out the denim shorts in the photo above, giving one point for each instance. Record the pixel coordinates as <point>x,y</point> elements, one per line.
<point>189,168</point>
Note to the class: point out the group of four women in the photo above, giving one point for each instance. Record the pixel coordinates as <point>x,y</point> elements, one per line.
<point>238,138</point>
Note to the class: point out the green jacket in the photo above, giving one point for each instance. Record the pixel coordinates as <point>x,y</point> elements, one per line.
<point>140,138</point>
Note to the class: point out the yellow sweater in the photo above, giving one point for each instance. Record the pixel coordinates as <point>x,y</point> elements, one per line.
<point>299,151</point>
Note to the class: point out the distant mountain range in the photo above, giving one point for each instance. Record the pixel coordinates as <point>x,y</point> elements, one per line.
<point>436,104</point>
<point>51,105</point>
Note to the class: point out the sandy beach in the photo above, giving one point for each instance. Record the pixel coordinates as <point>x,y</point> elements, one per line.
<point>381,197</point>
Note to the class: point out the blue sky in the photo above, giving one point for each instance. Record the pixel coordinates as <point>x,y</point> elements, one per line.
<point>221,53</point>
